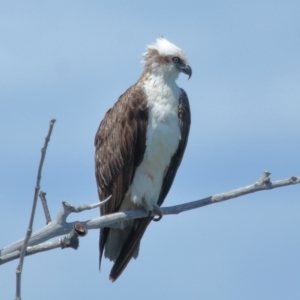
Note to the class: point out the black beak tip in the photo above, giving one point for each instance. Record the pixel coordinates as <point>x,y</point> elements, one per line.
<point>186,69</point>
<point>190,73</point>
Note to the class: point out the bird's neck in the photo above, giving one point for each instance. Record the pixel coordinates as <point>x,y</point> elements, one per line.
<point>160,79</point>
<point>161,90</point>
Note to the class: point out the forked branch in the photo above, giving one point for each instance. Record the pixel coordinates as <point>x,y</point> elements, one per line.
<point>60,226</point>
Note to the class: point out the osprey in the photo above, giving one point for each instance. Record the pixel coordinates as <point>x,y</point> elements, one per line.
<point>139,147</point>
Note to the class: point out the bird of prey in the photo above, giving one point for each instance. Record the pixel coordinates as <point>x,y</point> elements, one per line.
<point>139,147</point>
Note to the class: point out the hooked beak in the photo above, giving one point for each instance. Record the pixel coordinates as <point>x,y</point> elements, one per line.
<point>186,69</point>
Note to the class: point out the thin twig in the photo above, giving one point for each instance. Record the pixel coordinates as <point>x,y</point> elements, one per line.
<point>42,196</point>
<point>29,230</point>
<point>81,208</point>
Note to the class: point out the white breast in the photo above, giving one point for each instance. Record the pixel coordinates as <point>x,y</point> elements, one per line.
<point>162,140</point>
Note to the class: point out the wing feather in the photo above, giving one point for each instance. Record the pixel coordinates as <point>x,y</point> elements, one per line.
<point>120,145</point>
<point>184,115</point>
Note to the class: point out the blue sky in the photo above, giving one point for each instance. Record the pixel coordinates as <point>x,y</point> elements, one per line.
<point>70,60</point>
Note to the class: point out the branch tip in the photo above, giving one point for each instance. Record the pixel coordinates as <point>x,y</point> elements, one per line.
<point>295,179</point>
<point>265,178</point>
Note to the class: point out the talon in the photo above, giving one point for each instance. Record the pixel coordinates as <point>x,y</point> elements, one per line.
<point>158,210</point>
<point>157,219</point>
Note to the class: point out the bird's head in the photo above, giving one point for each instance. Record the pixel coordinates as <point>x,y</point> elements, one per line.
<point>165,59</point>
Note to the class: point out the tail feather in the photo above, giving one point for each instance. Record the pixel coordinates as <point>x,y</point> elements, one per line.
<point>103,237</point>
<point>130,248</point>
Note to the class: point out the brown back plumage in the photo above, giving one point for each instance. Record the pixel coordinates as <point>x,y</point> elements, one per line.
<point>120,145</point>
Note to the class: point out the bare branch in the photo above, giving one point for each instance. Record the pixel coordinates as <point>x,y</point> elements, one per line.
<point>60,227</point>
<point>264,183</point>
<point>29,230</point>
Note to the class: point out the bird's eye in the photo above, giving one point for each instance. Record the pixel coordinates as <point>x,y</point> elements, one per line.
<point>176,60</point>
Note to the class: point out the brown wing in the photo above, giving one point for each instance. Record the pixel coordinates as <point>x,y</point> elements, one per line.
<point>120,145</point>
<point>138,231</point>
